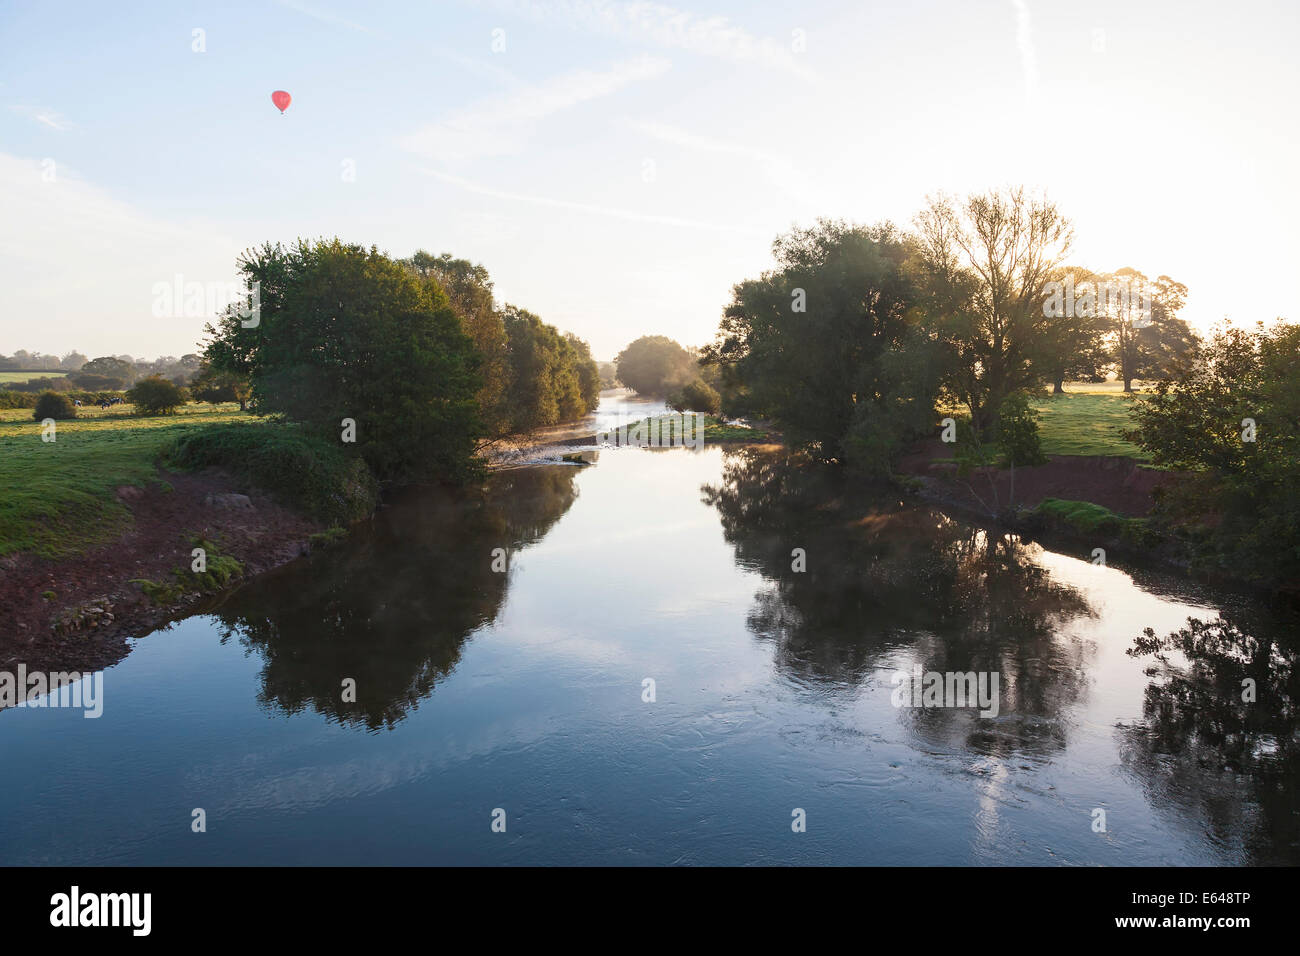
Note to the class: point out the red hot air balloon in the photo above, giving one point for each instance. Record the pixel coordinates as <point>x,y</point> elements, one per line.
<point>281,99</point>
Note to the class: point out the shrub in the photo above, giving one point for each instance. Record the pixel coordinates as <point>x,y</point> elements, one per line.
<point>156,396</point>
<point>306,471</point>
<point>54,405</point>
<point>698,396</point>
<point>1018,432</point>
<point>13,399</point>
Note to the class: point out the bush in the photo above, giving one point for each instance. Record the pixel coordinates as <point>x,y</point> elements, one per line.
<point>1018,432</point>
<point>54,405</point>
<point>14,399</point>
<point>307,472</point>
<point>698,396</point>
<point>156,396</point>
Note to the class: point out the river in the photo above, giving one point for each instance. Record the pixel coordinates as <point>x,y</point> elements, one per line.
<point>650,680</point>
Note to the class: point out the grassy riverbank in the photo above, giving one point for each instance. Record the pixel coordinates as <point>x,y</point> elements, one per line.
<point>64,497</point>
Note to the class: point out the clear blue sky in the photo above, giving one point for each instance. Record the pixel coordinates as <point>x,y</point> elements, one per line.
<point>619,165</point>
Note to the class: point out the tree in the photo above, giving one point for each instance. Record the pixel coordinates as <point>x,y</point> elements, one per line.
<point>72,361</point>
<point>1228,413</point>
<point>212,385</point>
<point>105,368</point>
<point>1075,347</point>
<point>155,395</point>
<point>697,396</point>
<point>654,365</point>
<point>553,377</point>
<point>469,288</point>
<point>1147,337</point>
<point>54,405</point>
<point>346,333</point>
<point>817,344</point>
<point>987,264</point>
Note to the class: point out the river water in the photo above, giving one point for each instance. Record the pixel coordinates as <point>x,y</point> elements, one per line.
<point>522,694</point>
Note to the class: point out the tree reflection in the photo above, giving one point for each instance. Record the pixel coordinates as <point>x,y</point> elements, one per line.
<point>887,583</point>
<point>1204,746</point>
<point>392,606</point>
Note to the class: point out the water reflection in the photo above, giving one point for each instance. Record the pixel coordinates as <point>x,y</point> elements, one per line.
<point>1218,736</point>
<point>391,609</point>
<point>888,586</point>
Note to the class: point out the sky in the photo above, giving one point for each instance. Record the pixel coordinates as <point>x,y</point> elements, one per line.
<point>619,165</point>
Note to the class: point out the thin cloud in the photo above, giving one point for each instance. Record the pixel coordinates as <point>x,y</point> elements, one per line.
<point>497,125</point>
<point>779,170</point>
<point>630,215</point>
<point>325,16</point>
<point>666,26</point>
<point>45,117</point>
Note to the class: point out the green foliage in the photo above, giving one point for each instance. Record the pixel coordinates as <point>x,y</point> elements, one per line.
<point>346,332</point>
<point>1018,433</point>
<point>13,399</point>
<point>696,397</point>
<point>216,386</point>
<point>807,344</point>
<point>469,290</point>
<point>106,373</point>
<point>1082,517</point>
<point>553,377</point>
<point>1244,494</point>
<point>54,405</point>
<point>655,365</point>
<point>155,395</point>
<point>304,470</point>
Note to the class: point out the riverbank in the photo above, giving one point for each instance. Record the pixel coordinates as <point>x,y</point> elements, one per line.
<point>98,528</point>
<point>77,612</point>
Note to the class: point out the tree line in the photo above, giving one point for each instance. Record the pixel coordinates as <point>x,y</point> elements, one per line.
<point>414,353</point>
<point>860,332</point>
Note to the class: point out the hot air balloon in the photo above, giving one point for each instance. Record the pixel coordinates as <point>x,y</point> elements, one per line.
<point>281,99</point>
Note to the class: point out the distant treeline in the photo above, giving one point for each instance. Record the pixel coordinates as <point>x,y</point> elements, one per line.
<point>106,373</point>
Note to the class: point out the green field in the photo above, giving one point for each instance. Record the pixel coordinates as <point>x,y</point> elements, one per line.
<point>1086,420</point>
<point>59,497</point>
<point>1087,423</point>
<point>28,375</point>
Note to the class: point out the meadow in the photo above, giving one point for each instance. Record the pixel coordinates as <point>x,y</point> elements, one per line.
<point>27,375</point>
<point>59,497</point>
<point>1087,420</point>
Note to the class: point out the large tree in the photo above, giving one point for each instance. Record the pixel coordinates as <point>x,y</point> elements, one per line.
<point>988,261</point>
<point>1147,337</point>
<point>347,333</point>
<point>1228,414</point>
<point>826,344</point>
<point>655,365</point>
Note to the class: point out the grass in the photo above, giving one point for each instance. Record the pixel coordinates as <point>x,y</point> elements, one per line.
<point>1086,423</point>
<point>59,497</point>
<point>1086,420</point>
<point>715,430</point>
<point>27,375</point>
<point>1090,520</point>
